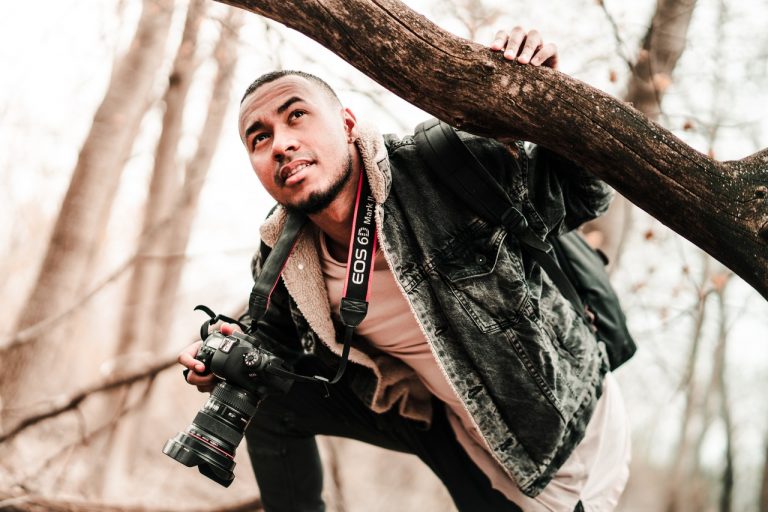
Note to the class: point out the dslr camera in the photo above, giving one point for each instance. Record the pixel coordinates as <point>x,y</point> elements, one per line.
<point>247,373</point>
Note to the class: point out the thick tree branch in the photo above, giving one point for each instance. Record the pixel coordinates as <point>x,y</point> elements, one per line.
<point>717,206</point>
<point>33,503</point>
<point>71,402</point>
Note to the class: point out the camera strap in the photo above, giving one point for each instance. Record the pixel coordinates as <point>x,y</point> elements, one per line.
<point>273,266</point>
<point>354,301</point>
<point>362,252</point>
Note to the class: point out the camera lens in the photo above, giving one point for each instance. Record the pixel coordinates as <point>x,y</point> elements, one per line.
<point>211,440</point>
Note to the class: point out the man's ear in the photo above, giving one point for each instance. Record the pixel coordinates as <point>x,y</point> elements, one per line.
<point>350,124</point>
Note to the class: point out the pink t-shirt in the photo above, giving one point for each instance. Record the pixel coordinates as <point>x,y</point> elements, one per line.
<point>595,473</point>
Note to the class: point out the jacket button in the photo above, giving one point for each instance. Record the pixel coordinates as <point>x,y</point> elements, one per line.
<point>480,259</point>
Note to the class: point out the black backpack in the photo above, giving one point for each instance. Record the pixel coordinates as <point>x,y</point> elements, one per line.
<point>576,269</point>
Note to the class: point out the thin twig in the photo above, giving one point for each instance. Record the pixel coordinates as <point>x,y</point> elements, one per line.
<point>621,45</point>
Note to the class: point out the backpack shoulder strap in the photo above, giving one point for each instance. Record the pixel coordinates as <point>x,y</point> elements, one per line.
<point>439,144</point>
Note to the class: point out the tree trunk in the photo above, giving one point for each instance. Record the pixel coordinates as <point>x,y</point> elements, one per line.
<point>728,478</point>
<point>763,497</point>
<point>167,237</point>
<point>85,210</point>
<point>719,206</point>
<point>662,46</point>
<point>186,205</point>
<point>679,494</point>
<point>163,189</point>
<point>138,315</point>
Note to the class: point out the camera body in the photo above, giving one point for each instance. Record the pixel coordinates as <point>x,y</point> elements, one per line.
<point>248,373</point>
<point>239,360</point>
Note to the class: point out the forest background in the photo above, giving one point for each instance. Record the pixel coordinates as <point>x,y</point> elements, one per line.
<point>131,200</point>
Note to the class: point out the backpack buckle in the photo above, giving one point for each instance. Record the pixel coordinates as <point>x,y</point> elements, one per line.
<point>514,221</point>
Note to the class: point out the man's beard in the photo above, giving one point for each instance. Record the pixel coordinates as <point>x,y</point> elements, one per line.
<point>320,200</point>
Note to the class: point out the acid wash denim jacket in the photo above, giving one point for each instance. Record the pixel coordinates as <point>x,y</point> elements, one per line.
<point>523,363</point>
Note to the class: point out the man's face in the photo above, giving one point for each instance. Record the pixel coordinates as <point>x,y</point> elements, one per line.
<point>299,142</point>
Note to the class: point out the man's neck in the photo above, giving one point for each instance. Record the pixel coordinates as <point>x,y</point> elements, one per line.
<point>336,220</point>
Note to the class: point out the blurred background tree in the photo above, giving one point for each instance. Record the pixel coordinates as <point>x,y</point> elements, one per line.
<point>114,115</point>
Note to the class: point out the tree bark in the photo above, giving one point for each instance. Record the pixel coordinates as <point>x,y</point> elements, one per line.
<point>719,206</point>
<point>85,210</point>
<point>661,48</point>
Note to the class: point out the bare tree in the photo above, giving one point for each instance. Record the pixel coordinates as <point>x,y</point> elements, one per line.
<point>147,269</point>
<point>650,77</point>
<point>164,186</point>
<point>680,471</point>
<point>643,161</point>
<point>82,218</point>
<point>720,388</point>
<point>705,406</point>
<point>196,170</point>
<point>161,275</point>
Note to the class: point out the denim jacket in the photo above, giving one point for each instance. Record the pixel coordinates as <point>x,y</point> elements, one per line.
<point>523,363</point>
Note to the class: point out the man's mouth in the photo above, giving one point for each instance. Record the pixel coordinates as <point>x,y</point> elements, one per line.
<point>292,173</point>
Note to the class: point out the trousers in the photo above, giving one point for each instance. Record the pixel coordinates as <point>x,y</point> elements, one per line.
<point>286,461</point>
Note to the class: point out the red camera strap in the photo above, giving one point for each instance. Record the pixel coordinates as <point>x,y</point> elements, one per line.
<point>362,252</point>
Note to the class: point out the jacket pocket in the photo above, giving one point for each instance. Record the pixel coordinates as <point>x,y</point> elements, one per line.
<point>484,275</point>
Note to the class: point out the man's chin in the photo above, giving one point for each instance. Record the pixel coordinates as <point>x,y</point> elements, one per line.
<point>320,200</point>
<point>314,204</point>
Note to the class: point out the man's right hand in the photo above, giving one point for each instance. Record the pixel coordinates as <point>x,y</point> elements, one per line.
<point>204,383</point>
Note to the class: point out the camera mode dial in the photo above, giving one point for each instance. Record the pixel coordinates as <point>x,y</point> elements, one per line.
<point>254,358</point>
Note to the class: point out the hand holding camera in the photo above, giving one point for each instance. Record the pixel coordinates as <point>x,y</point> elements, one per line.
<point>239,373</point>
<point>198,375</point>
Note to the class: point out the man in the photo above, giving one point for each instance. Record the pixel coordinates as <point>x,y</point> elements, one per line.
<point>469,356</point>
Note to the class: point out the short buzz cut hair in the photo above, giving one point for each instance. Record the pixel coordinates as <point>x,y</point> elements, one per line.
<point>274,75</point>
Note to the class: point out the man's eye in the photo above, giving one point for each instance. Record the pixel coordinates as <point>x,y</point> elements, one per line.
<point>258,138</point>
<point>297,113</point>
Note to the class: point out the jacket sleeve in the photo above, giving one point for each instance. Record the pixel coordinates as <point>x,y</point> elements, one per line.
<point>276,328</point>
<point>564,194</point>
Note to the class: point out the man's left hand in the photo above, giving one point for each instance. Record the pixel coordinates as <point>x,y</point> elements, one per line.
<point>525,47</point>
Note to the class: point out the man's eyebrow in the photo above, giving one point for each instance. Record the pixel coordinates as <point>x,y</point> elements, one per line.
<point>257,125</point>
<point>293,99</point>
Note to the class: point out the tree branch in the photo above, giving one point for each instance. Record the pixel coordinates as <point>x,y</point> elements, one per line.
<point>35,503</point>
<point>74,400</point>
<point>710,203</point>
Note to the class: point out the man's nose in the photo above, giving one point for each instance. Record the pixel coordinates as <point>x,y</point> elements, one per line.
<point>284,142</point>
